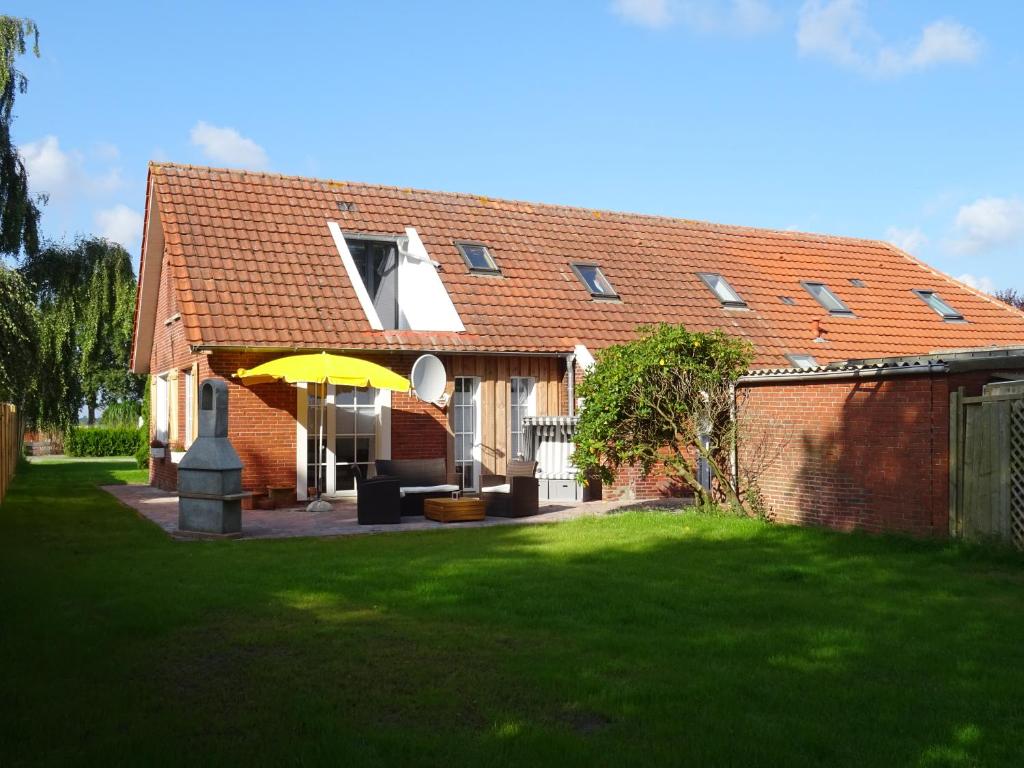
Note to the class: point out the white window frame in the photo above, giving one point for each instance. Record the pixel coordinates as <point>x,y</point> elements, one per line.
<point>190,400</point>
<point>939,305</point>
<point>382,441</point>
<point>723,291</point>
<point>477,449</point>
<point>801,360</point>
<point>162,408</point>
<point>827,298</point>
<point>531,410</point>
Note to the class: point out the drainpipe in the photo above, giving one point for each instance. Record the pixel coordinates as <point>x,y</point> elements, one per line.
<point>735,453</point>
<point>570,375</point>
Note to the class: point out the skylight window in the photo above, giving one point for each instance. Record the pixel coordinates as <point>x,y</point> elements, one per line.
<point>721,288</point>
<point>827,299</point>
<point>478,258</point>
<point>595,281</point>
<point>789,300</point>
<point>946,312</point>
<point>802,361</point>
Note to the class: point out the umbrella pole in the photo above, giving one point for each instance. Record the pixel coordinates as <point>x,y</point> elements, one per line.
<point>319,505</point>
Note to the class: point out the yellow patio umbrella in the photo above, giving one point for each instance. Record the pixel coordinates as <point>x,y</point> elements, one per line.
<point>323,369</point>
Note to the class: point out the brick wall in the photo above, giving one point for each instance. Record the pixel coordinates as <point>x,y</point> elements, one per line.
<point>869,454</point>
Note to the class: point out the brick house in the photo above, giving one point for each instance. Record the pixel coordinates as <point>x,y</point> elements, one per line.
<point>238,268</point>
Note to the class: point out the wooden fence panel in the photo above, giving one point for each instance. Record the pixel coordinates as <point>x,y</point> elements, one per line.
<point>986,473</point>
<point>10,446</point>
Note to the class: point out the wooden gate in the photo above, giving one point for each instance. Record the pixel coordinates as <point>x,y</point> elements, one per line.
<point>10,445</point>
<point>986,464</point>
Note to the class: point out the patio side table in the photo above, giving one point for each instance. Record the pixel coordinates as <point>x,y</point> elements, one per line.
<point>458,510</point>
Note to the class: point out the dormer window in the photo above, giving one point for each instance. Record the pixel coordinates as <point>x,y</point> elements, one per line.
<point>941,308</point>
<point>827,299</point>
<point>593,278</point>
<point>478,258</point>
<point>376,260</point>
<point>721,288</point>
<point>802,361</point>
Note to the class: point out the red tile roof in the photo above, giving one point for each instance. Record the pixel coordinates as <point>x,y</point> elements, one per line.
<point>255,265</point>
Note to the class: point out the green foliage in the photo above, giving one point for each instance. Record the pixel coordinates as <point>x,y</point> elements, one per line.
<point>124,413</point>
<point>142,452</point>
<point>101,441</point>
<point>649,402</point>
<point>19,338</point>
<point>19,211</point>
<point>85,293</point>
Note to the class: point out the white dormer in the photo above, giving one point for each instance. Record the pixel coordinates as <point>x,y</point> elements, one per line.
<point>396,281</point>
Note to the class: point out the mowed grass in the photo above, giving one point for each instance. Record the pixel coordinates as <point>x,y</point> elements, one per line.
<point>643,639</point>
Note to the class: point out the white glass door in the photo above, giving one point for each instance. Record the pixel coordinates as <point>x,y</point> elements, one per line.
<point>466,428</point>
<point>355,432</point>
<point>341,437</point>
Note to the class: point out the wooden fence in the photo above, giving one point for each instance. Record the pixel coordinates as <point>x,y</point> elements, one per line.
<point>986,464</point>
<point>10,445</point>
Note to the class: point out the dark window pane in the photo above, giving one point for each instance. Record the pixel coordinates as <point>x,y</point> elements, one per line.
<point>344,478</point>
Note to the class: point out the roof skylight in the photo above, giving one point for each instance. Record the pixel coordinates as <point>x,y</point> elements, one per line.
<point>931,298</point>
<point>802,361</point>
<point>478,258</point>
<point>826,298</point>
<point>595,281</point>
<point>788,300</point>
<point>721,288</point>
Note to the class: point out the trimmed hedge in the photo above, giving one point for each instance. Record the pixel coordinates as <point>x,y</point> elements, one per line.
<point>101,441</point>
<point>142,452</point>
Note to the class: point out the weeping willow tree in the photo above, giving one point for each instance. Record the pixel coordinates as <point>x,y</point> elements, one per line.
<point>19,210</point>
<point>85,296</point>
<point>19,338</point>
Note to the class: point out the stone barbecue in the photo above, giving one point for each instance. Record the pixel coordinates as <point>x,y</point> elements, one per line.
<point>210,473</point>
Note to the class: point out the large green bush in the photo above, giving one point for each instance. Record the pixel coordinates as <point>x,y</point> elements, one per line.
<point>101,441</point>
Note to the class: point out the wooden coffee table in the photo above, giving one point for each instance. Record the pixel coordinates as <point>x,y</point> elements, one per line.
<point>454,510</point>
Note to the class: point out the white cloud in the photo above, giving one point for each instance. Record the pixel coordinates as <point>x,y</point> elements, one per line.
<point>911,239</point>
<point>646,13</point>
<point>228,146</point>
<point>64,175</point>
<point>838,30</point>
<point>989,222</point>
<point>744,17</point>
<point>982,283</point>
<point>120,224</point>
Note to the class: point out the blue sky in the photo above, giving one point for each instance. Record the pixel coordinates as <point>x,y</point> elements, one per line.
<point>902,121</point>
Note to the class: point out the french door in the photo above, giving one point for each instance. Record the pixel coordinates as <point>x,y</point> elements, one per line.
<point>341,436</point>
<point>466,428</point>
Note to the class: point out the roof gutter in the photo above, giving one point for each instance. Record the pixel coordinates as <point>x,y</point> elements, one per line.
<point>865,373</point>
<point>200,349</point>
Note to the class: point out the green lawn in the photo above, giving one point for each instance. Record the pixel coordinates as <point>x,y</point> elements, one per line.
<point>645,638</point>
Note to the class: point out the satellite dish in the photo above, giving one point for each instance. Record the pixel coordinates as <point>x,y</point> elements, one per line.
<point>429,378</point>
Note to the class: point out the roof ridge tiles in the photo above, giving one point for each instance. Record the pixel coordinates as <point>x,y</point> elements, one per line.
<point>711,226</point>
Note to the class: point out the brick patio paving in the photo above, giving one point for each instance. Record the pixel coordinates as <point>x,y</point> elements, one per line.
<point>161,508</point>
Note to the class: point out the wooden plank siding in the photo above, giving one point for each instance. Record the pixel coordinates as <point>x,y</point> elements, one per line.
<point>10,445</point>
<point>495,373</point>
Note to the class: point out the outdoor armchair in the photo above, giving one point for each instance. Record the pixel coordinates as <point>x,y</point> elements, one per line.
<point>379,500</point>
<point>516,494</point>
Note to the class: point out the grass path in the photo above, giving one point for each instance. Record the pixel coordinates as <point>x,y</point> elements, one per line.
<point>643,638</point>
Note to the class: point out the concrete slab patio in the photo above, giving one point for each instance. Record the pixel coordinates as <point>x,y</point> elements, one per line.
<point>161,508</point>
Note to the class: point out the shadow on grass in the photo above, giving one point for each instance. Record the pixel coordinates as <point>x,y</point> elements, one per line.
<point>645,637</point>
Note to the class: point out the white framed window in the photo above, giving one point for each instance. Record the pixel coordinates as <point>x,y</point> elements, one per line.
<point>163,408</point>
<point>722,290</point>
<point>190,400</point>
<point>593,278</point>
<point>824,296</point>
<point>522,403</point>
<point>466,429</point>
<point>941,308</point>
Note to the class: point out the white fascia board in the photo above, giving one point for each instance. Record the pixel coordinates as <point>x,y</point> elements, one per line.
<point>583,357</point>
<point>151,265</point>
<point>423,300</point>
<point>354,278</point>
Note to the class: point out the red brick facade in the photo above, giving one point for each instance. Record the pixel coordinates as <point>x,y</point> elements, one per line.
<point>867,454</point>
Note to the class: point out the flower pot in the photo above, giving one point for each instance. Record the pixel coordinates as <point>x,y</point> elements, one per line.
<point>177,456</point>
<point>156,453</point>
